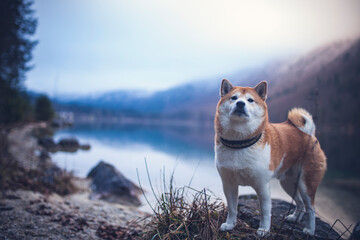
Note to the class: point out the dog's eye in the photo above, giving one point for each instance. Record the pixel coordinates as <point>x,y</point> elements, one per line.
<point>250,100</point>
<point>233,97</point>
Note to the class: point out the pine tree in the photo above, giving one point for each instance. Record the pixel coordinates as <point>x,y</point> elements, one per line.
<point>43,109</point>
<point>17,25</point>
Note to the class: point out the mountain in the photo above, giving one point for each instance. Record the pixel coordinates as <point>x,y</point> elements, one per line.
<point>323,82</point>
<point>300,82</point>
<point>327,83</point>
<point>193,100</point>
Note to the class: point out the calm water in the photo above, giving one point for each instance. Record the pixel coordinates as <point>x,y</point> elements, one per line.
<point>188,152</point>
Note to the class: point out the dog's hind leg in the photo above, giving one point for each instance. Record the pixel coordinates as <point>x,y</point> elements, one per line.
<point>231,194</point>
<point>263,192</point>
<point>313,171</point>
<point>308,201</point>
<point>291,188</point>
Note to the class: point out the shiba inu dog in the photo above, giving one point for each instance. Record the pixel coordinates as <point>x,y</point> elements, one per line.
<point>249,151</point>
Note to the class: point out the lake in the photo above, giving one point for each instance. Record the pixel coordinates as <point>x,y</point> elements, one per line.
<point>188,152</point>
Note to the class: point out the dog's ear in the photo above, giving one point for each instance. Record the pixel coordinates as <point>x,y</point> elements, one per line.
<point>225,87</point>
<point>261,89</point>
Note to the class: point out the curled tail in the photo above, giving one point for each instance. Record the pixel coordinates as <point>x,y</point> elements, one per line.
<point>302,120</point>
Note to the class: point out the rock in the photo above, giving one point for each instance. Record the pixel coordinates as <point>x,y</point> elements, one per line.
<point>65,144</point>
<point>69,143</point>
<point>85,147</point>
<point>56,123</point>
<point>356,232</point>
<point>48,143</point>
<point>110,185</point>
<point>248,207</point>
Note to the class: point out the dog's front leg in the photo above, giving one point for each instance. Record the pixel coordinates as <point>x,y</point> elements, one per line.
<point>231,194</point>
<point>263,192</point>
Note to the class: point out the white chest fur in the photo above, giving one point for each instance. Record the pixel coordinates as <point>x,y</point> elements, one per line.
<point>246,167</point>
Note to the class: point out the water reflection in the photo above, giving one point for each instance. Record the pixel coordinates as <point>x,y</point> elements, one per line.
<point>194,142</point>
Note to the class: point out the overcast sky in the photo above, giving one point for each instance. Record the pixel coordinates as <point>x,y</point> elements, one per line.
<point>87,46</point>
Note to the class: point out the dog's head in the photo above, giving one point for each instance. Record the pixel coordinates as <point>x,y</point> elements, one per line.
<point>243,108</point>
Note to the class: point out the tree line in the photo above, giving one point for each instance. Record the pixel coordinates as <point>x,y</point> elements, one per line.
<point>17,25</point>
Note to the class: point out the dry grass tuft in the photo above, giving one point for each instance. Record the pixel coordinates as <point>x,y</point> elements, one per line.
<point>186,213</point>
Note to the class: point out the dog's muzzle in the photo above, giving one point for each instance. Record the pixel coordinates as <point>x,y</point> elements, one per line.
<point>240,109</point>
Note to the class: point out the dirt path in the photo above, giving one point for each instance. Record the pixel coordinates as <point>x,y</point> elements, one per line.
<point>29,215</point>
<point>23,146</point>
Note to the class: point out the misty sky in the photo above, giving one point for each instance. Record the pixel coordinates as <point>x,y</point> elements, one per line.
<point>88,46</point>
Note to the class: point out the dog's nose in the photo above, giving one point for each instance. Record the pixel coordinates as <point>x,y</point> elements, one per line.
<point>240,104</point>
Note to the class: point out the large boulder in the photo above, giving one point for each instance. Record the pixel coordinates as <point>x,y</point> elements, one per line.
<point>110,185</point>
<point>248,206</point>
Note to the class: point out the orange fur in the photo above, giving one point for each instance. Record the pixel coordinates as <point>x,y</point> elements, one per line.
<point>286,140</point>
<point>296,116</point>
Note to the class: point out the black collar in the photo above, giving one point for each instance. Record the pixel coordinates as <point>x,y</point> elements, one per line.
<point>240,144</point>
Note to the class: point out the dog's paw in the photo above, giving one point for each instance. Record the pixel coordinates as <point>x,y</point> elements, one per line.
<point>227,227</point>
<point>293,218</point>
<point>309,231</point>
<point>262,232</point>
